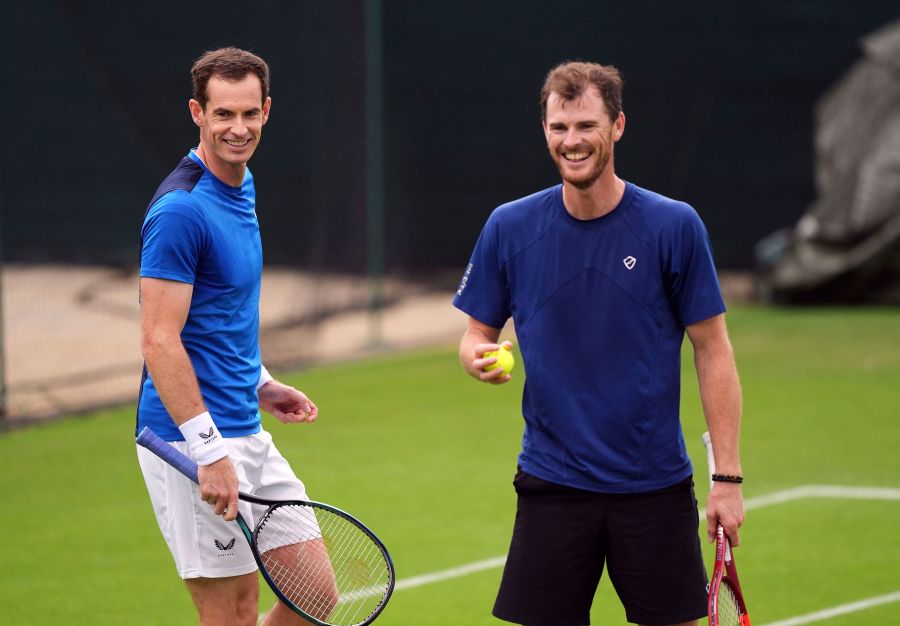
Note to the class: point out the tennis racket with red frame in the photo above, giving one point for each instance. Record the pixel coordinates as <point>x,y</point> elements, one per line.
<point>726,601</point>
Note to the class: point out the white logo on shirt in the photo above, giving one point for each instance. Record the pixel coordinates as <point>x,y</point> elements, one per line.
<point>629,262</point>
<point>464,281</point>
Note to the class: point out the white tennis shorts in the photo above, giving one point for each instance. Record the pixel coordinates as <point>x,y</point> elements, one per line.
<point>203,544</point>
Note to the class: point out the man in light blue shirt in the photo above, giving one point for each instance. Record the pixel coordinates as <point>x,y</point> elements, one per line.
<point>203,384</point>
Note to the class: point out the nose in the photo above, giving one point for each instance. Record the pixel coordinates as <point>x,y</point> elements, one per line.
<point>572,137</point>
<point>239,127</point>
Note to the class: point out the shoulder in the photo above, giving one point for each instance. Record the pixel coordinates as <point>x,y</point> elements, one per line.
<point>656,215</point>
<point>176,215</point>
<point>526,217</point>
<point>515,225</point>
<point>525,210</point>
<point>184,178</point>
<point>174,194</point>
<point>176,204</point>
<point>662,209</point>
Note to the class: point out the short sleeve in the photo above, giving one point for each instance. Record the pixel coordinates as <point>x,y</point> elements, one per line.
<point>691,279</point>
<point>483,291</point>
<point>172,241</point>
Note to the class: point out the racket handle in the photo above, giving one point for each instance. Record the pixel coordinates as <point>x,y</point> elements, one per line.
<point>710,458</point>
<point>167,453</point>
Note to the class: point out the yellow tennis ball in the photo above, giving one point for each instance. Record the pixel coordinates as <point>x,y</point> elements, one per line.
<point>504,359</point>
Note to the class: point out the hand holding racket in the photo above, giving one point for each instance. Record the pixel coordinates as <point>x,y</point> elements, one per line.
<point>726,602</point>
<point>323,563</point>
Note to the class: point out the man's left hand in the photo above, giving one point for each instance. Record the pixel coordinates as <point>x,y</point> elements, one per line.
<point>287,404</point>
<point>725,506</point>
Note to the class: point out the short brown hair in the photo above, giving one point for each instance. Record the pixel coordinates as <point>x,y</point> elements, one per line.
<point>572,78</point>
<point>231,64</point>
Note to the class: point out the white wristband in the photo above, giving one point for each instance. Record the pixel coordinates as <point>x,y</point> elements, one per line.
<point>264,377</point>
<point>203,439</point>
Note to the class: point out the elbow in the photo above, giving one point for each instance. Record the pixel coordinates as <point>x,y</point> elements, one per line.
<point>149,347</point>
<point>725,351</point>
<point>462,353</point>
<point>154,344</point>
<point>465,347</point>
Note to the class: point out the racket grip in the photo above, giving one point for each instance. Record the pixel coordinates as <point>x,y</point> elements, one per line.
<point>710,457</point>
<point>167,453</point>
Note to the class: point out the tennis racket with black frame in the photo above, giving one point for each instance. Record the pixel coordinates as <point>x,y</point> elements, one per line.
<point>726,601</point>
<point>323,563</point>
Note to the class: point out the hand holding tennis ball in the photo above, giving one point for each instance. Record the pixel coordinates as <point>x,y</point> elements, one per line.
<point>504,359</point>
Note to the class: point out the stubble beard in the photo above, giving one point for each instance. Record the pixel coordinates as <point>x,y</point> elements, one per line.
<point>594,175</point>
<point>584,183</point>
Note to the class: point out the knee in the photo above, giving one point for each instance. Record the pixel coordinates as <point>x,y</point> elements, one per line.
<point>321,603</point>
<point>232,600</point>
<point>247,607</point>
<point>331,599</point>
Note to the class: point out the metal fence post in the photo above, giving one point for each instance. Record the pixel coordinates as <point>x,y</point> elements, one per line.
<point>374,167</point>
<point>3,415</point>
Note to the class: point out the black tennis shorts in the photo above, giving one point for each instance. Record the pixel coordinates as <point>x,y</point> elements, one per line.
<point>564,536</point>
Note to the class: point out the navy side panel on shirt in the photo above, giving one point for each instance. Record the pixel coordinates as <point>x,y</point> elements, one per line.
<point>183,177</point>
<point>203,232</point>
<point>600,308</point>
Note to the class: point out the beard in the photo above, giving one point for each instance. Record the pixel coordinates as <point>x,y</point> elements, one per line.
<point>586,179</point>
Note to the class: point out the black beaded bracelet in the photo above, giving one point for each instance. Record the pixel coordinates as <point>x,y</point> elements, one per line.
<point>727,478</point>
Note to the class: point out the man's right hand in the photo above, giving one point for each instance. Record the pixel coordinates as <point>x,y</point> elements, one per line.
<point>476,366</point>
<point>478,339</point>
<point>219,487</point>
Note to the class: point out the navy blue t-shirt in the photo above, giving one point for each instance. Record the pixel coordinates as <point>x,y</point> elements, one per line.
<point>600,308</point>
<point>201,231</point>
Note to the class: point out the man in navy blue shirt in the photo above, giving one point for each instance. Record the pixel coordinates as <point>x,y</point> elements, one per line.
<point>203,385</point>
<point>602,279</point>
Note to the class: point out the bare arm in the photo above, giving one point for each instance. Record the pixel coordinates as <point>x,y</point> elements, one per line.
<point>287,404</point>
<point>164,309</point>
<point>720,394</point>
<point>478,339</point>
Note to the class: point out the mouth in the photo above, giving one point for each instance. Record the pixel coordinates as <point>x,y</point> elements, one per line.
<point>237,143</point>
<point>575,157</point>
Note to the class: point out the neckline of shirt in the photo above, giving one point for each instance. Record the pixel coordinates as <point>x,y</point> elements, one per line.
<point>595,222</point>
<point>237,191</point>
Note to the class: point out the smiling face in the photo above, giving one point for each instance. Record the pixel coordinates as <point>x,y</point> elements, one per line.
<point>580,136</point>
<point>230,125</point>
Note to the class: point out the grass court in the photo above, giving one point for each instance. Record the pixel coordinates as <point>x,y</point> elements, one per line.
<point>425,456</point>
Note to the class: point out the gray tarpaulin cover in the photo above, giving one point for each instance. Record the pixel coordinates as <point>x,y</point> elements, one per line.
<point>846,248</point>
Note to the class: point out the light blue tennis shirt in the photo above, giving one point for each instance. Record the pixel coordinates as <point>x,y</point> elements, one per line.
<point>200,231</point>
<point>600,308</point>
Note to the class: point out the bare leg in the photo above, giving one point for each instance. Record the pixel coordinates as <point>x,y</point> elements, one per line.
<point>230,601</point>
<point>290,567</point>
<point>280,615</point>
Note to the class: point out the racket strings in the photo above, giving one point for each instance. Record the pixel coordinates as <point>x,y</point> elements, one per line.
<point>308,596</point>
<point>323,563</point>
<point>728,607</point>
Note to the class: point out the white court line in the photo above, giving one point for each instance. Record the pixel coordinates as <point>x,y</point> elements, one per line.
<point>819,491</point>
<point>777,497</point>
<point>453,572</point>
<point>843,609</point>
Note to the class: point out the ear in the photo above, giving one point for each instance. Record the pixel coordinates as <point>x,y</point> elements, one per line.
<point>196,112</point>
<point>265,110</point>
<point>546,131</point>
<point>619,126</point>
